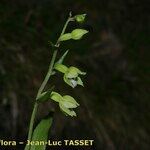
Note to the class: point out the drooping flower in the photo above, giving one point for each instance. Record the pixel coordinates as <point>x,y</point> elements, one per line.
<point>66,103</point>
<point>71,74</point>
<point>80,18</point>
<point>65,37</point>
<point>76,34</point>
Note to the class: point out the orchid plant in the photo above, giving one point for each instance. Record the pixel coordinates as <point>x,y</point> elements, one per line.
<point>71,76</point>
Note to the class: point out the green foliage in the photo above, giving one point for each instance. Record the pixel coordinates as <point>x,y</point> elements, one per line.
<point>41,133</point>
<point>45,95</point>
<point>60,61</point>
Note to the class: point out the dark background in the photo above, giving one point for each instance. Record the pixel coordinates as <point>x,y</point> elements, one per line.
<point>115,102</point>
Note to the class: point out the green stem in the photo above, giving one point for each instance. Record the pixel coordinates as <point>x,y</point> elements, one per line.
<point>32,121</point>
<point>63,30</point>
<point>35,108</point>
<point>48,74</point>
<point>39,92</point>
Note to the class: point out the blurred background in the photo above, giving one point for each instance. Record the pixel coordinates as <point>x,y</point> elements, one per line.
<point>115,103</point>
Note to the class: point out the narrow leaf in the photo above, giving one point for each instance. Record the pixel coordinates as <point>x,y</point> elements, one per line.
<point>45,95</point>
<point>60,61</point>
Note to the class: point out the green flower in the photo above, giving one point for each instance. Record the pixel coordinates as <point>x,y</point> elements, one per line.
<point>65,37</point>
<point>76,34</point>
<point>80,18</point>
<point>71,75</point>
<point>66,103</point>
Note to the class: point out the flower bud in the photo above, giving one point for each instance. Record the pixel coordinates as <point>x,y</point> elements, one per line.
<point>80,18</point>
<point>78,33</point>
<point>65,37</point>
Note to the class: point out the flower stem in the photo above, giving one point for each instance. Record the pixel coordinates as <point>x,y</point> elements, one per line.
<point>35,108</point>
<point>39,92</point>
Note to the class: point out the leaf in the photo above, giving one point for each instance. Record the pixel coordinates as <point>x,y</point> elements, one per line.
<point>60,61</point>
<point>45,95</point>
<point>41,133</point>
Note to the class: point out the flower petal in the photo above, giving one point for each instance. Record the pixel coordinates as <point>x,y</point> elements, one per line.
<point>66,110</point>
<point>67,80</point>
<point>72,72</point>
<point>75,69</point>
<point>69,102</point>
<point>73,83</point>
<point>79,81</point>
<point>82,73</point>
<point>77,34</point>
<point>56,96</point>
<point>60,67</point>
